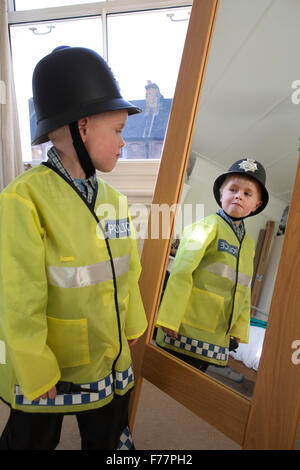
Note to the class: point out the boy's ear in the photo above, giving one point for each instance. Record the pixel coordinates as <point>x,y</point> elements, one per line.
<point>258,204</point>
<point>82,126</point>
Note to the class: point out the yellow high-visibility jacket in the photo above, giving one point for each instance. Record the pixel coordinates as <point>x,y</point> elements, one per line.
<point>207,298</point>
<point>58,314</point>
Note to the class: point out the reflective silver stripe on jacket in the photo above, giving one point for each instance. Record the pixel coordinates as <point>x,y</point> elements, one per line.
<point>82,276</point>
<point>229,273</point>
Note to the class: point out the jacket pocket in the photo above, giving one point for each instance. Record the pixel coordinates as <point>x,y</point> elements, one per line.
<point>68,339</point>
<point>204,310</point>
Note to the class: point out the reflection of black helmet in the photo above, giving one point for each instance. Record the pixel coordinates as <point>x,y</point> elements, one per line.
<point>72,83</point>
<point>250,168</point>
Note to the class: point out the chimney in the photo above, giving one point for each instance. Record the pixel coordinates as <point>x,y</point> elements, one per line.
<point>152,98</point>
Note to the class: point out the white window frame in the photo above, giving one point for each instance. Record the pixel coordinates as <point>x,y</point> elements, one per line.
<point>140,174</point>
<point>90,9</point>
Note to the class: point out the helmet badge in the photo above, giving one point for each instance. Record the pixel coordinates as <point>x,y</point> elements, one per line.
<point>248,165</point>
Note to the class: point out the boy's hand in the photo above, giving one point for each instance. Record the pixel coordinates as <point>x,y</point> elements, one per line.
<point>169,332</point>
<point>50,394</point>
<point>131,342</point>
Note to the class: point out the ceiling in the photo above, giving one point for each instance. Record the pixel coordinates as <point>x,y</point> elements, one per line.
<point>246,107</point>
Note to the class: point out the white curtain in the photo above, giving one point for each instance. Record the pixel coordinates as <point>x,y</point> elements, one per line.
<point>10,146</point>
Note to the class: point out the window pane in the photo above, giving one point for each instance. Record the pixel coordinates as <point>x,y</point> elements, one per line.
<point>34,4</point>
<point>31,42</point>
<point>144,52</point>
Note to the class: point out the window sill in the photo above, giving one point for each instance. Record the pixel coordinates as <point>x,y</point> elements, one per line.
<point>134,178</point>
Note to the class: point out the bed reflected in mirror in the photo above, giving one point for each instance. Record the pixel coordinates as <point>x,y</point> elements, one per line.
<point>248,111</point>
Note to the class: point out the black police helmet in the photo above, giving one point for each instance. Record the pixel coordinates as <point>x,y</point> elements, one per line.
<point>72,83</point>
<point>252,169</point>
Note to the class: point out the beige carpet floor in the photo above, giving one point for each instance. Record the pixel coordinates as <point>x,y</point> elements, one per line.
<point>161,424</point>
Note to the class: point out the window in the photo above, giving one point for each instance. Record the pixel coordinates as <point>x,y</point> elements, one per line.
<point>143,48</point>
<point>30,43</point>
<point>144,51</point>
<point>33,4</point>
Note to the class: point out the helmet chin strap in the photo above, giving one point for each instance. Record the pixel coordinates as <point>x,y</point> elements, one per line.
<point>82,153</point>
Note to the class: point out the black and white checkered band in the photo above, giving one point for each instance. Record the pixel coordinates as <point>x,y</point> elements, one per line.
<point>195,346</point>
<point>105,388</point>
<point>125,442</point>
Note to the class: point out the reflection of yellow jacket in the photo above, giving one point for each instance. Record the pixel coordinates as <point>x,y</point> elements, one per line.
<point>207,298</point>
<point>58,316</point>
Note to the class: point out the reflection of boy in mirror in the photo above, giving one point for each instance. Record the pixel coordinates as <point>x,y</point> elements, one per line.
<point>207,298</point>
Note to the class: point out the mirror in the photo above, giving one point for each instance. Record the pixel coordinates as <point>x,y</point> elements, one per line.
<point>269,419</point>
<point>247,110</point>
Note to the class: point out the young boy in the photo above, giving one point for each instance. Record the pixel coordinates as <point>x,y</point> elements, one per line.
<point>207,298</point>
<point>70,304</point>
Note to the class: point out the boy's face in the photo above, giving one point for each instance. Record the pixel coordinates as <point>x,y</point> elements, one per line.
<point>102,136</point>
<point>240,196</point>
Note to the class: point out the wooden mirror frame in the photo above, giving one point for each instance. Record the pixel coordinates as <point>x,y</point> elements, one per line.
<point>270,419</point>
